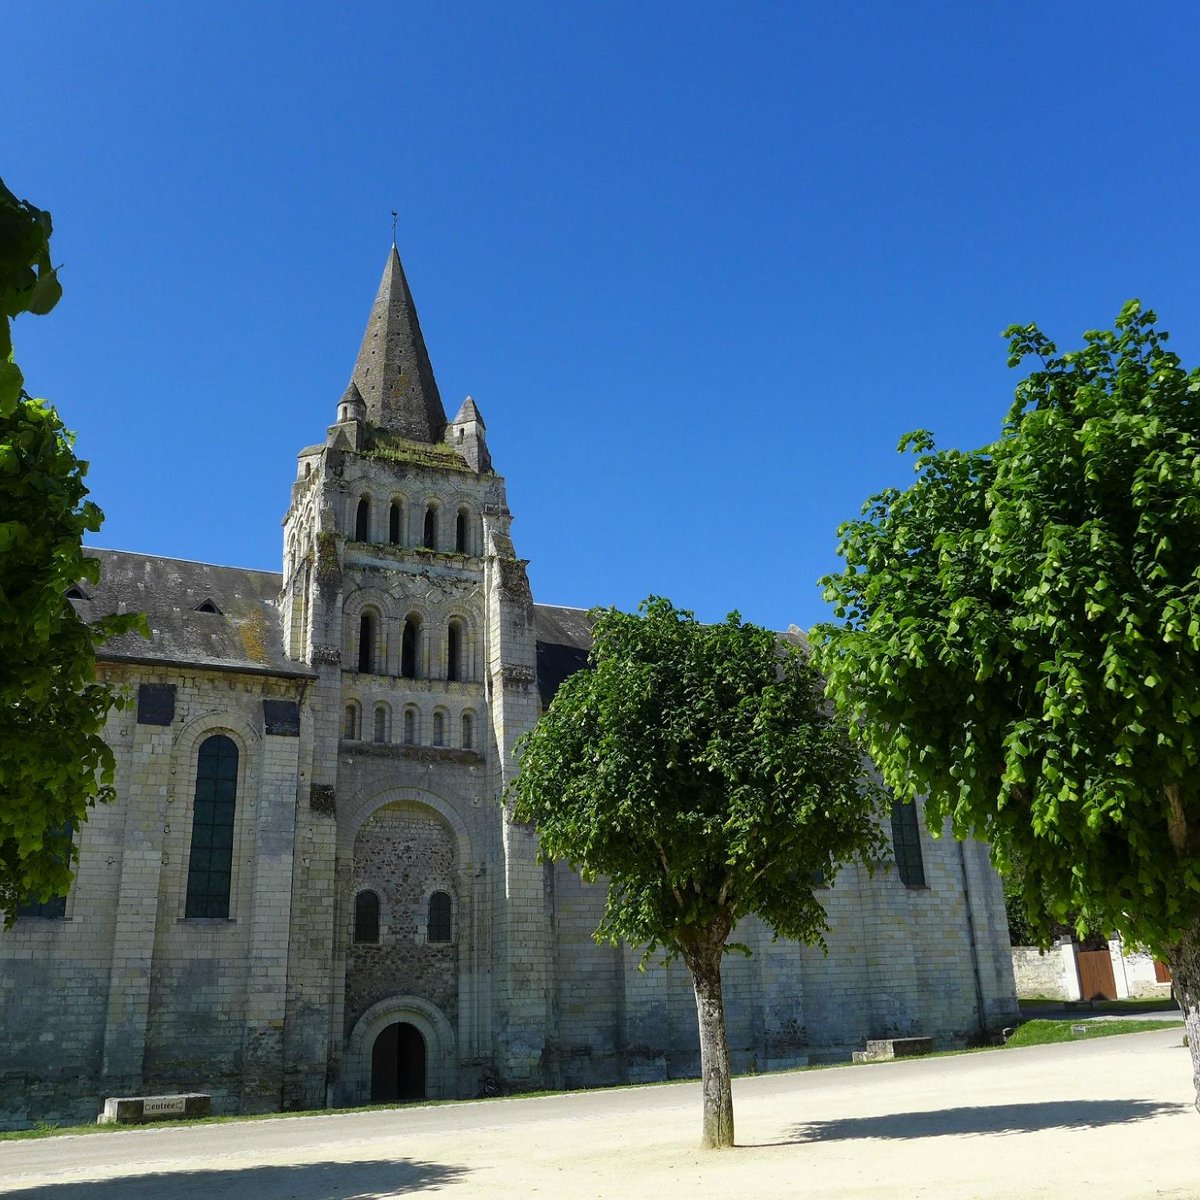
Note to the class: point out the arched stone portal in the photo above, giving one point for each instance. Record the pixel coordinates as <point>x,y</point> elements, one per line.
<point>378,1042</point>
<point>398,1064</point>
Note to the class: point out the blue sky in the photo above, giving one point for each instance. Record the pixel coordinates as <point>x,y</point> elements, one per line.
<point>700,265</point>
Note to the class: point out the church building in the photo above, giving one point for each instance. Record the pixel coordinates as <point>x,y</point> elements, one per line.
<point>307,892</point>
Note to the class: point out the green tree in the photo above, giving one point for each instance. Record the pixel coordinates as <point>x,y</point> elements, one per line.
<point>1019,639</point>
<point>697,769</point>
<point>53,761</point>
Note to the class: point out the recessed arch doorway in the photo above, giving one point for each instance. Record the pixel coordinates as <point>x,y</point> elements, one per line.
<point>398,1064</point>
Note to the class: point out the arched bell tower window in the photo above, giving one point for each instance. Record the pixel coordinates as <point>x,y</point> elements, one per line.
<point>366,642</point>
<point>454,647</point>
<point>439,917</point>
<point>366,917</point>
<point>210,861</point>
<point>408,647</point>
<point>362,521</point>
<point>394,517</point>
<point>429,541</point>
<point>461,531</point>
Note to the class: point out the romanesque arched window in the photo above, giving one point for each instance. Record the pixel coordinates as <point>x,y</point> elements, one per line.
<point>381,723</point>
<point>210,861</point>
<point>366,642</point>
<point>462,531</point>
<point>454,651</point>
<point>362,521</point>
<point>431,530</point>
<point>410,726</point>
<point>408,646</point>
<point>439,917</point>
<point>366,917</point>
<point>468,731</point>
<point>439,728</point>
<point>394,520</point>
<point>350,728</point>
<point>906,843</point>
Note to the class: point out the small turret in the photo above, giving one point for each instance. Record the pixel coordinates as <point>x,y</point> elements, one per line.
<point>466,434</point>
<point>349,428</point>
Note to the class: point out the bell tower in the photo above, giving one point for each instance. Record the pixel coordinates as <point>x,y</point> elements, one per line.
<point>402,590</point>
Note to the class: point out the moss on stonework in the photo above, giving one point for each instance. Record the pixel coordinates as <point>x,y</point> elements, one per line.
<point>327,560</point>
<point>438,455</point>
<point>254,638</point>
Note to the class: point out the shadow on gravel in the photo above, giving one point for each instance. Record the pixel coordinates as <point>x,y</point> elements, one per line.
<point>298,1181</point>
<point>999,1118</point>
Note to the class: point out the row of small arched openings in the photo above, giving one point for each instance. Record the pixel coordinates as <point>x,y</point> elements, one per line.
<point>441,732</point>
<point>431,534</point>
<point>439,925</point>
<point>371,661</point>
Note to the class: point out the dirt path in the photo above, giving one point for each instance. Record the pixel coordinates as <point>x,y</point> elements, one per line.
<point>1113,1118</point>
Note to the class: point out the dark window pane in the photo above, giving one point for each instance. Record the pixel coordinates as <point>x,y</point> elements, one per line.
<point>439,917</point>
<point>906,843</point>
<point>210,856</point>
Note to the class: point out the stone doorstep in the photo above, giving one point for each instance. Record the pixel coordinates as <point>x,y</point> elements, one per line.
<point>138,1110</point>
<point>886,1049</point>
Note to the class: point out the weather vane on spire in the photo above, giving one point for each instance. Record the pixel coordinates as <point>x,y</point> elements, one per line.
<point>393,226</point>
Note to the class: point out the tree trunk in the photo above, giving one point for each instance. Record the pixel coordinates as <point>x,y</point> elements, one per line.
<point>1184,960</point>
<point>704,963</point>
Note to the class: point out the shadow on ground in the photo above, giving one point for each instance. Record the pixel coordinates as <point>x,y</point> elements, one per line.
<point>999,1118</point>
<point>292,1181</point>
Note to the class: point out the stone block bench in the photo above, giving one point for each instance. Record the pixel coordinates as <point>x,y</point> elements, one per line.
<point>138,1110</point>
<point>885,1049</point>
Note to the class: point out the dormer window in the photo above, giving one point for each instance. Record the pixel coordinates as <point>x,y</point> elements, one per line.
<point>208,607</point>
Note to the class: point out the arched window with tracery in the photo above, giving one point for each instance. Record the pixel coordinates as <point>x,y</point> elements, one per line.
<point>408,646</point>
<point>362,521</point>
<point>439,917</point>
<point>210,859</point>
<point>366,917</point>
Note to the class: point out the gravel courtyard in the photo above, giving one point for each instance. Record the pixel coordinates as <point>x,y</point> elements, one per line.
<point>1112,1117</point>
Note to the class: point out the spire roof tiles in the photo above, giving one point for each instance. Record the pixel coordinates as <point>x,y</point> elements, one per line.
<point>393,371</point>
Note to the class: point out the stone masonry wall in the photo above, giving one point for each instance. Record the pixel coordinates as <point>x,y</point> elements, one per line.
<point>403,854</point>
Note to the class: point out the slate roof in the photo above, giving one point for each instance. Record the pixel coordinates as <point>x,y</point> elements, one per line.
<point>564,638</point>
<point>393,371</point>
<point>243,636</point>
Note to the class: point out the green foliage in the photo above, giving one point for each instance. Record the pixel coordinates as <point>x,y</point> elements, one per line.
<point>53,760</point>
<point>697,769</point>
<point>1019,634</point>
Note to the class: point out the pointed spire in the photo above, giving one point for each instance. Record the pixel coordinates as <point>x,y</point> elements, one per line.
<point>393,372</point>
<point>468,412</point>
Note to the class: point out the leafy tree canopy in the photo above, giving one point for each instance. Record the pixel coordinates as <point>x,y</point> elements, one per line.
<point>1020,640</point>
<point>697,769</point>
<point>1020,635</point>
<point>53,760</point>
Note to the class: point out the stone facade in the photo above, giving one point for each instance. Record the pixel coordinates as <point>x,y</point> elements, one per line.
<point>346,912</point>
